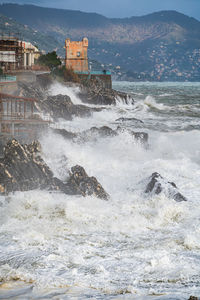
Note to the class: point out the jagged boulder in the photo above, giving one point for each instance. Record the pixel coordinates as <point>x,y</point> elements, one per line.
<point>193,298</point>
<point>141,137</point>
<point>68,135</point>
<point>158,184</point>
<point>94,133</point>
<point>132,120</point>
<point>22,168</point>
<point>101,131</point>
<point>96,94</point>
<point>61,106</point>
<point>81,182</point>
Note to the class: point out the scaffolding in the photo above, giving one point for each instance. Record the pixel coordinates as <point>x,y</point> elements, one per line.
<point>19,119</point>
<point>11,52</point>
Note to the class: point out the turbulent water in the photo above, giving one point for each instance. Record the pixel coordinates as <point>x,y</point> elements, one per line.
<point>134,246</point>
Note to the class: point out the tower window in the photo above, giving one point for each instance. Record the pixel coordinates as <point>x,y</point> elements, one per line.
<point>78,54</point>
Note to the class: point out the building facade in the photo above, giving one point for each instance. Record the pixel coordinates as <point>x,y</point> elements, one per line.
<point>30,53</point>
<point>16,54</point>
<point>76,55</point>
<point>11,53</point>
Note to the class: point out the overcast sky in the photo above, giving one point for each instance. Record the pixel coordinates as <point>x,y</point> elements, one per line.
<point>120,8</point>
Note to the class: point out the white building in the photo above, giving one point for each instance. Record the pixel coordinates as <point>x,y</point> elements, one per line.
<point>30,54</point>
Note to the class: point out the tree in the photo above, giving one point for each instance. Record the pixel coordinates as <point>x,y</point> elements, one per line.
<point>50,60</point>
<point>1,71</point>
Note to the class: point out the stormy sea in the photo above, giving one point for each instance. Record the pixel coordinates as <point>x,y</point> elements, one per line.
<point>136,245</point>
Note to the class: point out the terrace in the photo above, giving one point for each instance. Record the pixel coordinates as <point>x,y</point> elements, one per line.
<point>18,117</point>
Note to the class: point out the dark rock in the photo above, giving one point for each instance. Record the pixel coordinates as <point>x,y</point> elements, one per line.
<point>158,184</point>
<point>66,134</point>
<point>129,120</point>
<point>22,168</point>
<point>96,94</point>
<point>103,131</point>
<point>141,137</point>
<point>80,182</point>
<point>61,106</point>
<point>91,134</point>
<point>94,133</point>
<point>193,298</point>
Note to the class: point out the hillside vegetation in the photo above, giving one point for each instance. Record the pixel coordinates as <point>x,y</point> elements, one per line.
<point>160,46</point>
<point>22,31</point>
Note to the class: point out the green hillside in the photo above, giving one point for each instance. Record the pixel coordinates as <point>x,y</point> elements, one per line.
<point>24,32</point>
<point>160,46</point>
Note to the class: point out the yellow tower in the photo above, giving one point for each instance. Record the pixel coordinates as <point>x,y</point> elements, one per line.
<point>76,55</point>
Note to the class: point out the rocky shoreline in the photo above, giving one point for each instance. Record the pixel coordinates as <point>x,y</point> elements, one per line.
<point>22,167</point>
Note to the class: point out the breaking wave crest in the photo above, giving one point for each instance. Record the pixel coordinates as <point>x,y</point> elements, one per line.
<point>134,245</point>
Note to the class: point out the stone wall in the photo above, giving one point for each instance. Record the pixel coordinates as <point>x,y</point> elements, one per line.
<point>105,80</point>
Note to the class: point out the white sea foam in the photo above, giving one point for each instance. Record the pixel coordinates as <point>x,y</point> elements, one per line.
<point>150,102</point>
<point>133,245</point>
<point>58,88</point>
<point>125,103</point>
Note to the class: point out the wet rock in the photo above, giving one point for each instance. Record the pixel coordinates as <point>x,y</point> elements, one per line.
<point>103,131</point>
<point>66,134</point>
<point>80,182</point>
<point>129,120</point>
<point>22,169</point>
<point>91,134</point>
<point>141,137</point>
<point>96,94</point>
<point>94,133</point>
<point>158,184</point>
<point>193,298</point>
<point>61,106</point>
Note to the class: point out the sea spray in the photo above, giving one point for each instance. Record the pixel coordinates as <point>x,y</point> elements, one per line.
<point>134,245</point>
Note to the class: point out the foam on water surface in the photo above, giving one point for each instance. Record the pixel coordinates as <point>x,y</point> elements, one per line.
<point>133,246</point>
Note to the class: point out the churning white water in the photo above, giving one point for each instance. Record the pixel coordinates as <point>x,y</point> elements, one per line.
<point>134,246</point>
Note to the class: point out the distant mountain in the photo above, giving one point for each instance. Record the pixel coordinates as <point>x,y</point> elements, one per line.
<point>159,46</point>
<point>23,32</point>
